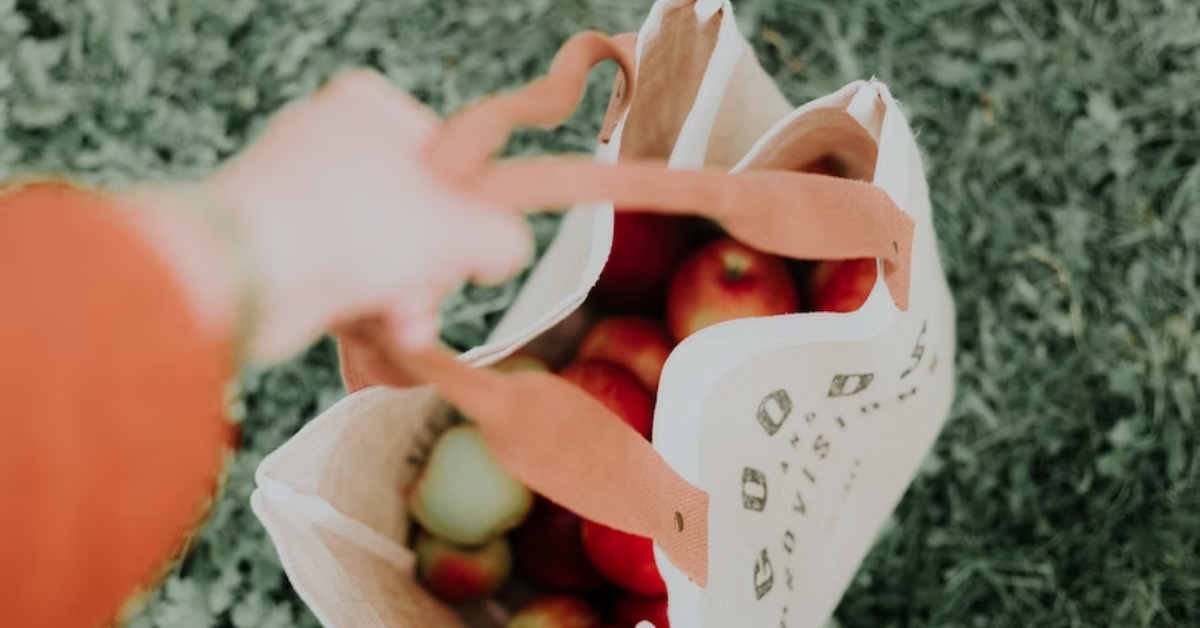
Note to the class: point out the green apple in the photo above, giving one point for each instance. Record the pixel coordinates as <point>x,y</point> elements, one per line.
<point>521,362</point>
<point>464,495</point>
<point>555,611</point>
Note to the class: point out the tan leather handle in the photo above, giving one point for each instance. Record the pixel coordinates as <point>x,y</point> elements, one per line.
<point>620,99</point>
<point>797,215</point>
<point>565,445</point>
<point>466,143</point>
<point>793,214</point>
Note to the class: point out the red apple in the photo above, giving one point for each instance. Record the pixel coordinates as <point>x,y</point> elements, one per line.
<point>641,345</point>
<point>555,611</point>
<point>646,250</point>
<point>461,574</point>
<point>617,388</point>
<point>549,549</point>
<point>841,285</point>
<point>727,280</point>
<point>626,560</point>
<point>631,609</point>
<point>521,362</point>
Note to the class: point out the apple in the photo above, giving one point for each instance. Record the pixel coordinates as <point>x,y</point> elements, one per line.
<point>624,559</point>
<point>630,610</point>
<point>727,280</point>
<point>555,611</point>
<point>521,362</point>
<point>641,345</point>
<point>617,388</point>
<point>463,494</point>
<point>646,249</point>
<point>841,285</point>
<point>459,574</point>
<point>549,549</point>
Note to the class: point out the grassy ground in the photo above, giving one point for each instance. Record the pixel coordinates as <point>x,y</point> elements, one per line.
<point>1062,147</point>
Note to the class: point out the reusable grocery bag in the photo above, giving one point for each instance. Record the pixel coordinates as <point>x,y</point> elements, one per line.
<point>781,444</point>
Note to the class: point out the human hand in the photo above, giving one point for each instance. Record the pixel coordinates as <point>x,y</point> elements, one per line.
<point>343,220</point>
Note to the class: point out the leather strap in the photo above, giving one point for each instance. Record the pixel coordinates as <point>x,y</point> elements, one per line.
<point>567,446</point>
<point>468,140</point>
<point>621,98</point>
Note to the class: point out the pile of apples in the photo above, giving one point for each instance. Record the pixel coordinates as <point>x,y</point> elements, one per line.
<point>666,279</point>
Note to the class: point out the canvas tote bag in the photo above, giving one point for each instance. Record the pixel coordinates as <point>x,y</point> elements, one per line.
<point>781,445</point>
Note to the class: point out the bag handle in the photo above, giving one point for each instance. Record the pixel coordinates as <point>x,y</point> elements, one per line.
<point>564,445</point>
<point>794,214</point>
<point>466,143</point>
<point>552,436</point>
<point>618,102</point>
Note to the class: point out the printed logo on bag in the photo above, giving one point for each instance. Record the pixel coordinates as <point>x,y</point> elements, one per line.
<point>807,460</point>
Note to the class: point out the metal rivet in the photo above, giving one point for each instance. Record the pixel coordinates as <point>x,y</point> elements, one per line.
<point>679,521</point>
<point>895,247</point>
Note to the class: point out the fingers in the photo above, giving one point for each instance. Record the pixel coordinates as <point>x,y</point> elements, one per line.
<point>365,92</point>
<point>490,246</point>
<point>480,244</point>
<point>412,320</point>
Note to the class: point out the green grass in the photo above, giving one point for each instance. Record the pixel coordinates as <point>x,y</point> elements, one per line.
<point>1062,141</point>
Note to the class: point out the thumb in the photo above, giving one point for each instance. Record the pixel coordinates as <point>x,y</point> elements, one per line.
<point>412,319</point>
<point>491,246</point>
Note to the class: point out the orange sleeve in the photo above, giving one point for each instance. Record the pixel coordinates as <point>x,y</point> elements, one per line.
<point>111,427</point>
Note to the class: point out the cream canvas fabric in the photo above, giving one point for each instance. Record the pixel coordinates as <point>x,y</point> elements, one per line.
<point>805,430</point>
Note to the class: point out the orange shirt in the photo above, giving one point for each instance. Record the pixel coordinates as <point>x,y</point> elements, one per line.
<point>111,426</point>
